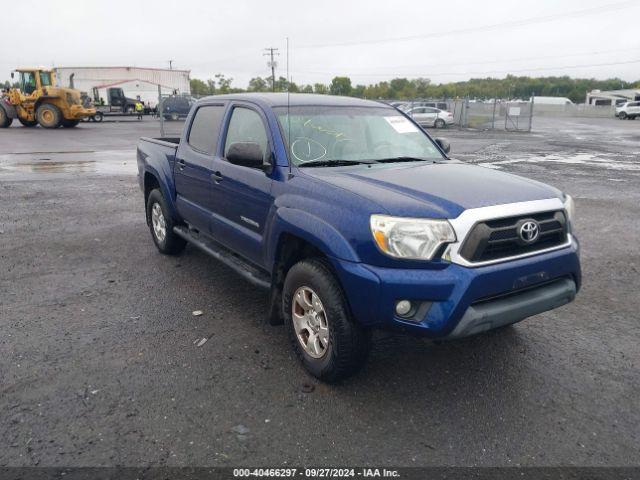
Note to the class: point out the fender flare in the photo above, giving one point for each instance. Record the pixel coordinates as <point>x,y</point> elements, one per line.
<point>322,235</point>
<point>44,99</point>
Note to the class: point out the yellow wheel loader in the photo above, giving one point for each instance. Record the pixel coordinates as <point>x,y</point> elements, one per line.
<point>39,101</point>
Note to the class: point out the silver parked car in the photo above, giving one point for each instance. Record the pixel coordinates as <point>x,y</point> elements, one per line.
<point>431,117</point>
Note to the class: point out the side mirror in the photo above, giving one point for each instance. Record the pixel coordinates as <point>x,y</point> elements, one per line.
<point>444,144</point>
<point>247,154</point>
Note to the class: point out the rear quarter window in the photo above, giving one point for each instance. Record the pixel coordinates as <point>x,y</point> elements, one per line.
<point>205,128</point>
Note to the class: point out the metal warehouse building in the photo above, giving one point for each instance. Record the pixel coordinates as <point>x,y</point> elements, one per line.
<point>86,78</point>
<point>612,97</point>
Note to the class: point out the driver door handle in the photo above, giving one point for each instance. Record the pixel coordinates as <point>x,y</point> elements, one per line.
<point>216,177</point>
<point>181,164</point>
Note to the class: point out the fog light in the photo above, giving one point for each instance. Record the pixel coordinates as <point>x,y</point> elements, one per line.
<point>403,307</point>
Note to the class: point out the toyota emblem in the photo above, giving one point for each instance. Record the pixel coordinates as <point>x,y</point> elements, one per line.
<point>529,231</point>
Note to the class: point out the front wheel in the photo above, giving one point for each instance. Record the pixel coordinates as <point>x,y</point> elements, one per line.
<point>98,117</point>
<point>622,116</point>
<point>161,225</point>
<point>328,342</point>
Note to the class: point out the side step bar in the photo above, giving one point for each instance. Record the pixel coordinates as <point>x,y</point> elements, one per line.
<point>250,272</point>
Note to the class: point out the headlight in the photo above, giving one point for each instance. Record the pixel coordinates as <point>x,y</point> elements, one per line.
<point>570,208</point>
<point>410,238</point>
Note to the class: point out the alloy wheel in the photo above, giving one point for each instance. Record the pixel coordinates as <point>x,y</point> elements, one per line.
<point>310,322</point>
<point>158,222</point>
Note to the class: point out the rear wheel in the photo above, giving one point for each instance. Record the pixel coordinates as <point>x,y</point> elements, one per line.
<point>175,117</point>
<point>5,120</point>
<point>98,117</point>
<point>161,225</point>
<point>70,123</point>
<point>440,123</point>
<point>49,116</point>
<point>328,342</point>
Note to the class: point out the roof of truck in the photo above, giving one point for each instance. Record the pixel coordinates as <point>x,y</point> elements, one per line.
<point>297,99</point>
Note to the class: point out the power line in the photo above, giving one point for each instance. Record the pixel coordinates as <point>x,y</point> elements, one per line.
<point>495,26</point>
<point>508,71</point>
<point>270,51</point>
<point>503,60</point>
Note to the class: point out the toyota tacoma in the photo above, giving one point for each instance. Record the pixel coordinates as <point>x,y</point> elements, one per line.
<point>354,218</point>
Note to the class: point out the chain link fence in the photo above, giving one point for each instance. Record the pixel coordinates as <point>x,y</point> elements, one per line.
<point>498,114</point>
<point>482,115</point>
<point>171,113</point>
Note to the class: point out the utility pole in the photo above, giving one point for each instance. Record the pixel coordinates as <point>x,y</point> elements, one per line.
<point>271,52</point>
<point>170,64</point>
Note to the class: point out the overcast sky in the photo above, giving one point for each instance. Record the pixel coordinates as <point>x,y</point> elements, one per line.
<point>369,40</point>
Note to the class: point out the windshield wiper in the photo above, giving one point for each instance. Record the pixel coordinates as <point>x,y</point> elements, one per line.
<point>405,159</point>
<point>334,163</point>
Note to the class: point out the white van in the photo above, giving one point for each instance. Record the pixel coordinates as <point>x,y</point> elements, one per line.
<point>551,101</point>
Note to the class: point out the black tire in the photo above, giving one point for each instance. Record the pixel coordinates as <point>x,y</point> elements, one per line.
<point>171,244</point>
<point>49,116</point>
<point>98,117</point>
<point>175,117</point>
<point>622,116</point>
<point>439,123</point>
<point>27,123</point>
<point>5,120</point>
<point>348,344</point>
<point>70,123</point>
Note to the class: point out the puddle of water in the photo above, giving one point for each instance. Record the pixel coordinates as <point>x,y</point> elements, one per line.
<point>588,159</point>
<point>117,162</point>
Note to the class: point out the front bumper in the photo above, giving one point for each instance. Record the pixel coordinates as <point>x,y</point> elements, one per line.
<point>463,300</point>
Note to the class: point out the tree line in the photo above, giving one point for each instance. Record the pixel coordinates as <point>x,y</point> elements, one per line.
<point>510,87</point>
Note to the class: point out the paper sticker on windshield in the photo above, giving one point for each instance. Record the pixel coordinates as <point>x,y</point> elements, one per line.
<point>401,124</point>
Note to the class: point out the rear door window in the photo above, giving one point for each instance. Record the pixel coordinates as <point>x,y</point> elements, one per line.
<point>205,128</point>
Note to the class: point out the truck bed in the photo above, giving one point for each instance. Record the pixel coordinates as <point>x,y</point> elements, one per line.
<point>159,152</point>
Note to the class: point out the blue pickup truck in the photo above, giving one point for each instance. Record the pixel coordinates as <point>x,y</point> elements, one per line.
<point>354,218</point>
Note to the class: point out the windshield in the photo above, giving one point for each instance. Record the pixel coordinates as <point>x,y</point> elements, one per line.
<point>358,134</point>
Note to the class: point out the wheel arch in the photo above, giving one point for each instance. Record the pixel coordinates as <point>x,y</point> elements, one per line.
<point>314,231</point>
<point>291,248</point>
<point>50,99</point>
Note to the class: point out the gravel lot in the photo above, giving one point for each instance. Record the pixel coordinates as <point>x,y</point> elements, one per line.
<point>99,366</point>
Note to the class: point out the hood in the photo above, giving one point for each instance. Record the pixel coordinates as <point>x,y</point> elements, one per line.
<point>440,190</point>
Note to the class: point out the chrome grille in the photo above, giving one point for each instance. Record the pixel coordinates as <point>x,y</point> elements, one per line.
<point>495,239</point>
